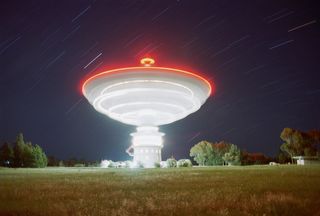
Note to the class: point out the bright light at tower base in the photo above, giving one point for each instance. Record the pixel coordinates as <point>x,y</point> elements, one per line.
<point>146,146</point>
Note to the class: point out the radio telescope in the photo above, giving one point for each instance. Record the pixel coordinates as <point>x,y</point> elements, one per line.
<point>146,97</point>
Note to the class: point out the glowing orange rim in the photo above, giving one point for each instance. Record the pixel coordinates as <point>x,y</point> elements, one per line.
<point>147,68</point>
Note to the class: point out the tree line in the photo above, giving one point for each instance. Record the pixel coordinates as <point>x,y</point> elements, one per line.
<point>296,143</point>
<point>206,153</point>
<point>71,162</point>
<point>22,154</point>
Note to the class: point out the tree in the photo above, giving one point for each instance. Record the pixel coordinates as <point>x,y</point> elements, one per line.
<point>28,155</point>
<point>233,155</point>
<point>6,155</point>
<point>315,137</point>
<point>70,162</point>
<point>18,150</point>
<point>52,161</point>
<point>39,157</point>
<point>202,153</point>
<point>259,158</point>
<point>245,159</point>
<point>253,158</point>
<point>298,143</point>
<point>220,149</point>
<point>206,153</point>
<point>283,158</point>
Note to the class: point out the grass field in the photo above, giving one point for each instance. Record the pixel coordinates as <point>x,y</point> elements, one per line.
<point>251,190</point>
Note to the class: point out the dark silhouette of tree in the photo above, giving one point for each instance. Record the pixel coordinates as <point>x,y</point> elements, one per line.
<point>315,136</point>
<point>71,162</point>
<point>18,150</point>
<point>248,158</point>
<point>6,155</point>
<point>52,161</point>
<point>283,157</point>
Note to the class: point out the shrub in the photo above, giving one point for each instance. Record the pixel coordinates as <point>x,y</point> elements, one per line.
<point>122,164</point>
<point>79,165</point>
<point>127,164</point>
<point>94,164</point>
<point>184,163</point>
<point>104,163</point>
<point>171,162</point>
<point>117,164</point>
<point>111,164</point>
<point>163,164</point>
<point>140,164</point>
<point>61,164</point>
<point>157,165</point>
<point>107,164</point>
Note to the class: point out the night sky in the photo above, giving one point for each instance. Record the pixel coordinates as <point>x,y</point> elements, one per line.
<point>263,57</point>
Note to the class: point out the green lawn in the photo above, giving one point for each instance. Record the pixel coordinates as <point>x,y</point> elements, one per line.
<point>251,190</point>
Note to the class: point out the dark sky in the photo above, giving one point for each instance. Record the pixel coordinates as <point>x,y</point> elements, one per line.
<point>262,55</point>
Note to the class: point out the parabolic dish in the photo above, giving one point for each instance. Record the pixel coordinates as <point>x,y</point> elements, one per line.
<point>146,96</point>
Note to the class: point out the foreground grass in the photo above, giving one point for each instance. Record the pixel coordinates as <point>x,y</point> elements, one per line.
<point>252,190</point>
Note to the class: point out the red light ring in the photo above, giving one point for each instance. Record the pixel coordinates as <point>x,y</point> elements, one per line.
<point>147,68</point>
